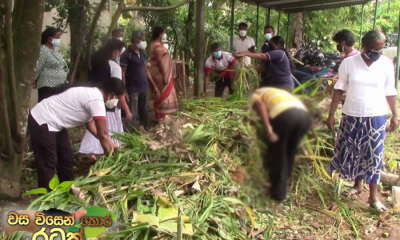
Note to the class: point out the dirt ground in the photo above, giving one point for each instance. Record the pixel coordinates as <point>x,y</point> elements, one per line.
<point>301,217</point>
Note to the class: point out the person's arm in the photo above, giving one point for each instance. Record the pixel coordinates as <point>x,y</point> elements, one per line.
<point>261,110</point>
<point>391,93</point>
<point>124,66</point>
<point>124,105</point>
<point>159,54</point>
<point>102,135</point>
<point>206,80</point>
<point>40,64</point>
<point>340,88</point>
<point>152,83</point>
<point>260,56</point>
<point>123,75</point>
<point>91,127</point>
<point>253,46</point>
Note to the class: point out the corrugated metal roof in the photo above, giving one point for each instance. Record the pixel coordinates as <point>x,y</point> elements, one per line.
<point>292,6</point>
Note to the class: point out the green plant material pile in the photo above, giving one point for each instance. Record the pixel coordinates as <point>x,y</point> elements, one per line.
<point>182,180</point>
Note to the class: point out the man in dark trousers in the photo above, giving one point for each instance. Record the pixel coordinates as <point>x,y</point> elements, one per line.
<point>136,77</point>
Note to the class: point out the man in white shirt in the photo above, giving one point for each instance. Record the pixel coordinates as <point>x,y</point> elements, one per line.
<point>244,43</point>
<point>222,63</point>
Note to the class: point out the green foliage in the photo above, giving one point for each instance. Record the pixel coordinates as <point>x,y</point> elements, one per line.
<point>54,185</point>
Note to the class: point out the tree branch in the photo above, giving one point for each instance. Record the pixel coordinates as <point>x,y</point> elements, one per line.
<point>115,19</point>
<point>12,88</point>
<point>128,9</point>
<point>92,31</point>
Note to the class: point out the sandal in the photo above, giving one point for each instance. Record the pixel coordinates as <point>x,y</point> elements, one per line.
<point>378,206</point>
<point>349,194</point>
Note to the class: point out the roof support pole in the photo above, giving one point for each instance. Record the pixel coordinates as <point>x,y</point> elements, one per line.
<point>362,23</point>
<point>398,58</point>
<point>257,23</point>
<point>279,22</point>
<point>268,16</point>
<point>376,13</point>
<point>232,21</point>
<point>287,29</point>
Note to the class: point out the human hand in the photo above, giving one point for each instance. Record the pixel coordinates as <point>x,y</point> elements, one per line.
<point>129,116</point>
<point>126,97</point>
<point>34,84</point>
<point>240,55</point>
<point>157,92</point>
<point>272,137</point>
<point>252,49</point>
<point>330,122</point>
<point>394,123</point>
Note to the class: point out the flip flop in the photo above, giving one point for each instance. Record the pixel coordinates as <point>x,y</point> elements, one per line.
<point>378,206</point>
<point>349,194</point>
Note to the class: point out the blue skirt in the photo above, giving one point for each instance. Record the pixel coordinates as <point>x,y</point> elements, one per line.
<point>359,148</point>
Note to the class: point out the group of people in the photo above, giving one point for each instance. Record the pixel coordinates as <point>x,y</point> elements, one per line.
<point>119,81</point>
<point>121,78</point>
<point>275,65</point>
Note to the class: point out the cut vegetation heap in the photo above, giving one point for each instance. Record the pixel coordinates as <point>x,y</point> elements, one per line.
<point>186,179</point>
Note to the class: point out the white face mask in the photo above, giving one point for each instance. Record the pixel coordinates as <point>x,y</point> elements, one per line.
<point>242,33</point>
<point>142,45</point>
<point>112,103</point>
<point>164,38</point>
<point>120,38</point>
<point>56,42</point>
<point>268,36</point>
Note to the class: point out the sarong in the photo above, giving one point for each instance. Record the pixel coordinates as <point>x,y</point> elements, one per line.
<point>167,103</point>
<point>359,148</point>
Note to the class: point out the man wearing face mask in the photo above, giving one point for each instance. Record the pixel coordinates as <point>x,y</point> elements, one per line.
<point>368,79</point>
<point>244,43</point>
<point>118,34</point>
<point>345,43</point>
<point>269,32</point>
<point>222,63</point>
<point>136,77</point>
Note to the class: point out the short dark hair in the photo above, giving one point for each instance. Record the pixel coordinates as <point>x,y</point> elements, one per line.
<point>156,32</point>
<point>242,24</point>
<point>269,26</point>
<point>214,46</point>
<point>113,85</point>
<point>345,36</point>
<point>49,32</point>
<point>116,31</point>
<point>371,36</point>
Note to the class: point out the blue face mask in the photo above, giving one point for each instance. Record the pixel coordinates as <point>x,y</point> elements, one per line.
<point>373,55</point>
<point>217,54</point>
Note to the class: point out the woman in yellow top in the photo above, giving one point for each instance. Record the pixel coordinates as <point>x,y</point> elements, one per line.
<point>286,120</point>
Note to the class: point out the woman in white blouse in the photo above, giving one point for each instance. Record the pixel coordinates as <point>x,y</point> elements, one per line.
<point>368,80</point>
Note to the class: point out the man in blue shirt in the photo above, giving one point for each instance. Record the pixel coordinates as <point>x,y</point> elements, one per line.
<point>136,78</point>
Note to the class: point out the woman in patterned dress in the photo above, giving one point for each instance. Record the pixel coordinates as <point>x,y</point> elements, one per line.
<point>51,65</point>
<point>103,67</point>
<point>368,80</point>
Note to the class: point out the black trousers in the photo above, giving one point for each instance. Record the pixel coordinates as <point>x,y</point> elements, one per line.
<point>290,126</point>
<point>53,153</point>
<point>221,84</point>
<point>139,105</point>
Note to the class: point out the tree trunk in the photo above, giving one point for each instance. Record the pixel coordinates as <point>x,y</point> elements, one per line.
<point>181,3</point>
<point>27,26</point>
<point>115,19</point>
<point>200,42</point>
<point>90,36</point>
<point>189,28</point>
<point>298,29</point>
<point>77,22</point>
